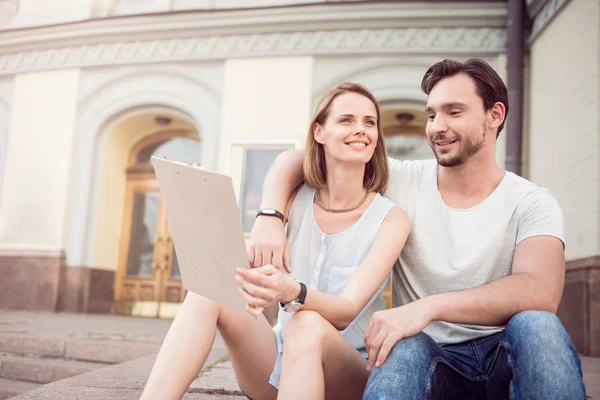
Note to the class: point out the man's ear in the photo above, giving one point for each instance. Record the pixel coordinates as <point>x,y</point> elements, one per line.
<point>497,114</point>
<point>318,133</point>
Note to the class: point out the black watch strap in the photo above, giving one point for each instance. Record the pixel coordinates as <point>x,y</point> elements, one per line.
<point>301,296</point>
<point>270,212</point>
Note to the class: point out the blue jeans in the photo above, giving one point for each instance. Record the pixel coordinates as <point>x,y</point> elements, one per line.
<point>533,358</point>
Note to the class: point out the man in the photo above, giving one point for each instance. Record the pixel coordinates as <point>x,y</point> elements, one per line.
<point>478,283</point>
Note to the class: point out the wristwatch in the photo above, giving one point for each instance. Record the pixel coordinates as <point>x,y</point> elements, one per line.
<point>296,305</point>
<point>270,212</point>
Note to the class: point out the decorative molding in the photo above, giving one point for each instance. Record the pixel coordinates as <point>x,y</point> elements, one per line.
<point>543,17</point>
<point>365,41</point>
<point>534,7</point>
<point>131,92</point>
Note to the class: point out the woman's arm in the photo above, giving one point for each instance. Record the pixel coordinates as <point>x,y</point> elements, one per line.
<point>268,242</point>
<point>265,285</point>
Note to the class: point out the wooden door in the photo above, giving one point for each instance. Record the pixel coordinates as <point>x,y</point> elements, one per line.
<point>148,282</point>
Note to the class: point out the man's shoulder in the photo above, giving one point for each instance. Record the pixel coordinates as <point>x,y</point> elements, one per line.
<point>527,196</point>
<point>519,187</point>
<point>408,175</point>
<point>411,167</point>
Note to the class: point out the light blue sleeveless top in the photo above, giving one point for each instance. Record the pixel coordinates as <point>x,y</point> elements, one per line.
<point>327,262</point>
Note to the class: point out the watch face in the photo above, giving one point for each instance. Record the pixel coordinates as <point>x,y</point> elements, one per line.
<point>292,307</point>
<point>268,211</point>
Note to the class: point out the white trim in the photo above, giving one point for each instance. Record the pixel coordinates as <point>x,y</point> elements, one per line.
<point>254,144</point>
<point>28,250</point>
<point>550,9</point>
<point>258,143</point>
<point>100,112</point>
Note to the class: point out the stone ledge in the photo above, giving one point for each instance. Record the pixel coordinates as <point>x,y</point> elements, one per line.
<point>123,381</point>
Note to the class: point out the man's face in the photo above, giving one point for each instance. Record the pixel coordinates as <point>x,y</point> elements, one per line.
<point>457,121</point>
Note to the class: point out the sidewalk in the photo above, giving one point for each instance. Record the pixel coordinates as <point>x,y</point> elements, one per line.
<point>118,353</point>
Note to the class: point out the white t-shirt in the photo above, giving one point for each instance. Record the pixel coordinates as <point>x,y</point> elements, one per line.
<point>452,249</point>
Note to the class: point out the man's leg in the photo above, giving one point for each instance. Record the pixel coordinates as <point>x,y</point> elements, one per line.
<point>542,358</point>
<point>419,368</point>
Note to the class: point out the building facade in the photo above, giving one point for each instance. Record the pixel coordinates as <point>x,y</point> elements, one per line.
<point>91,89</point>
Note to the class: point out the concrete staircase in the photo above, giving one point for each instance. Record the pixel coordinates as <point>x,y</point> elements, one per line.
<point>26,363</point>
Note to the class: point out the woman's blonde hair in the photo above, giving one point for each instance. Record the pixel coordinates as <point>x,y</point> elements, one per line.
<point>315,170</point>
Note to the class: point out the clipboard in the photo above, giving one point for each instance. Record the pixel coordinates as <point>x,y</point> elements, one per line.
<point>205,223</point>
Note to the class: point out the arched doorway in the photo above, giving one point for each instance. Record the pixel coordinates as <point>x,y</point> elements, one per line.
<point>404,131</point>
<point>148,280</point>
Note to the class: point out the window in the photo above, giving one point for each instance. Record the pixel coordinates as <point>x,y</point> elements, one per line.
<point>257,162</point>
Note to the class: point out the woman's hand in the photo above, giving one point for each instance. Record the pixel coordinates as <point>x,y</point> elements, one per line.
<point>268,244</point>
<point>261,287</point>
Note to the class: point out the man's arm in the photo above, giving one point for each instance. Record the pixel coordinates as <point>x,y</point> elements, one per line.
<point>268,244</point>
<point>536,283</point>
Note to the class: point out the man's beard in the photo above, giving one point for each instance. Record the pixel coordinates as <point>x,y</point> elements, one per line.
<point>467,150</point>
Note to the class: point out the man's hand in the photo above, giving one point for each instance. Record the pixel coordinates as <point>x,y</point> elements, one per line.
<point>261,287</point>
<point>387,327</point>
<point>268,244</point>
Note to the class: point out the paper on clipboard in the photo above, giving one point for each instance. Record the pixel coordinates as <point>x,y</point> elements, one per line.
<point>205,223</point>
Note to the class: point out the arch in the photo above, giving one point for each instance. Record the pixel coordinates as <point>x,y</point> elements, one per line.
<point>134,92</point>
<point>395,81</point>
<point>157,138</point>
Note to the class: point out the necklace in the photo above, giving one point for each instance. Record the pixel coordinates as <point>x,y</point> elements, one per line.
<point>340,210</point>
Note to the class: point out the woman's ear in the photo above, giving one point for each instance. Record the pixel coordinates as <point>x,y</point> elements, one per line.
<point>318,133</point>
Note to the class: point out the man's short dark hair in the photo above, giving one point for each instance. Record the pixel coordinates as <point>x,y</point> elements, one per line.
<point>489,85</point>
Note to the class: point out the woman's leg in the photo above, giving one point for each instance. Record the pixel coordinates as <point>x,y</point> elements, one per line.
<point>318,362</point>
<point>250,343</point>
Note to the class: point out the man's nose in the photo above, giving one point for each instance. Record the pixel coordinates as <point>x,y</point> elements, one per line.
<point>438,125</point>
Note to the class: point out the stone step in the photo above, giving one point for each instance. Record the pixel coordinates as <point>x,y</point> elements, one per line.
<point>11,388</point>
<point>105,351</point>
<point>43,370</point>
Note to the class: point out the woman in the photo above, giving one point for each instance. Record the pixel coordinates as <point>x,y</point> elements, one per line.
<point>344,238</point>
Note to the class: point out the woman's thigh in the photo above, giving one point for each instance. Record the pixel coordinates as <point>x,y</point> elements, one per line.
<point>344,367</point>
<point>252,348</point>
<point>345,370</point>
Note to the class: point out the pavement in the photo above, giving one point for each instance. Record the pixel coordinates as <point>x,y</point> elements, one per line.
<point>93,357</point>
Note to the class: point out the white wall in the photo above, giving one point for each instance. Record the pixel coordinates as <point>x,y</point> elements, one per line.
<point>565,120</point>
<point>265,100</point>
<point>40,141</point>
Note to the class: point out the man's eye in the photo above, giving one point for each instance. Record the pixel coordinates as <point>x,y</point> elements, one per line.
<point>454,113</point>
<point>431,117</point>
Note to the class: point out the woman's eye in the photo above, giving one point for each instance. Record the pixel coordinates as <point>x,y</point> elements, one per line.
<point>370,122</point>
<point>345,120</point>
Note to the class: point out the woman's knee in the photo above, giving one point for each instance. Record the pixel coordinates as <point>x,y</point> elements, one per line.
<point>306,329</point>
<point>196,303</point>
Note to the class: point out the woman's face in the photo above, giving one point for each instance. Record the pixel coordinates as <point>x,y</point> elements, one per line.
<point>349,133</point>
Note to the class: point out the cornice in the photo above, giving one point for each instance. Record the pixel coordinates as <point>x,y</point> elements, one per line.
<point>376,28</point>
